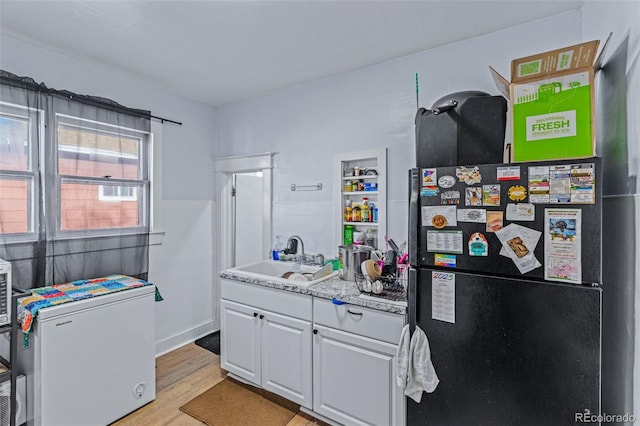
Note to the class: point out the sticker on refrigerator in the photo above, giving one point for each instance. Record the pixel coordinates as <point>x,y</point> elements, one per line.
<point>473,196</point>
<point>470,176</point>
<point>429,191</point>
<point>443,296</point>
<point>494,221</point>
<point>560,184</point>
<point>508,173</point>
<point>446,181</point>
<point>539,184</point>
<point>562,245</point>
<point>450,197</point>
<point>517,193</point>
<point>478,245</point>
<point>521,212</point>
<point>429,177</point>
<point>448,260</point>
<point>472,215</point>
<point>583,186</point>
<point>490,195</point>
<point>444,241</point>
<point>447,212</point>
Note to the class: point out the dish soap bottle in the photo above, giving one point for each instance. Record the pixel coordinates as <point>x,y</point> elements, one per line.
<point>277,248</point>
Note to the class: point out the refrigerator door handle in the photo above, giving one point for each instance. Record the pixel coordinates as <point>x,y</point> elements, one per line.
<point>414,215</point>
<point>412,298</point>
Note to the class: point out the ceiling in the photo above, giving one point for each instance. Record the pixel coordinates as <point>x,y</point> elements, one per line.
<point>218,52</point>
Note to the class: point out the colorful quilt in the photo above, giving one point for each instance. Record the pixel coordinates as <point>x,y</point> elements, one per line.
<point>58,294</point>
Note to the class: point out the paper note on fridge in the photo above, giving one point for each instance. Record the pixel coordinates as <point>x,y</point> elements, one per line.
<point>519,243</point>
<point>443,296</point>
<point>523,212</point>
<point>439,212</point>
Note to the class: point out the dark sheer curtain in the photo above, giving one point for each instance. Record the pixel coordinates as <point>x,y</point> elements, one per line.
<point>74,185</point>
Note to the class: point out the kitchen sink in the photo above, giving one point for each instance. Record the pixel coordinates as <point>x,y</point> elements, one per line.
<point>285,272</point>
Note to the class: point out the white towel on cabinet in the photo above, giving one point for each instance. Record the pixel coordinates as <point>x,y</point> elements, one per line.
<point>421,376</point>
<point>402,358</point>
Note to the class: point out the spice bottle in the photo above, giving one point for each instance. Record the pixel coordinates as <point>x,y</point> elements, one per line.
<point>347,211</point>
<point>365,214</point>
<point>356,213</point>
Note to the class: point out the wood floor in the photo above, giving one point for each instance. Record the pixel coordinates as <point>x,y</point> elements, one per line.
<point>182,375</point>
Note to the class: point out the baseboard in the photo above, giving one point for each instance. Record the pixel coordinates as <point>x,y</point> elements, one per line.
<point>176,341</point>
<point>318,416</point>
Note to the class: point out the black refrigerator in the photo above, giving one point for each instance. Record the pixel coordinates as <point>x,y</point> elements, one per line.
<point>505,281</point>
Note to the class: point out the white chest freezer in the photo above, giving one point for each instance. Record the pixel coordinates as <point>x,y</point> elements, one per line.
<point>91,362</point>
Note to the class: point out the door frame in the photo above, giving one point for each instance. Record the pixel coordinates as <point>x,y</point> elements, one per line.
<point>224,169</point>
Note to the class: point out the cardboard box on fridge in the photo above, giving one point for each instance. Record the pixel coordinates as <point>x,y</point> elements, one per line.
<point>552,103</point>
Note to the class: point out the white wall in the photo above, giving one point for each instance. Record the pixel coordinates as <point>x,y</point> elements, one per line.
<point>368,108</point>
<point>182,266</point>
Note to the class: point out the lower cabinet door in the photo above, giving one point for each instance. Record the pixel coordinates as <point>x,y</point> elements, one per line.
<point>286,357</point>
<point>354,379</point>
<point>240,340</point>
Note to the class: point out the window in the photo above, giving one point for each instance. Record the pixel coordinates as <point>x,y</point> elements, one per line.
<point>74,184</point>
<point>19,130</point>
<point>103,176</point>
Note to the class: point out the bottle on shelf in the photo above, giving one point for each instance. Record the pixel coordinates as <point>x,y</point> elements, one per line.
<point>277,248</point>
<point>365,214</point>
<point>371,238</point>
<point>348,211</point>
<point>348,235</point>
<point>356,213</point>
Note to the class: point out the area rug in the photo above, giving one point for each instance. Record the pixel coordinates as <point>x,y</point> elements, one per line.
<point>232,403</point>
<point>210,342</point>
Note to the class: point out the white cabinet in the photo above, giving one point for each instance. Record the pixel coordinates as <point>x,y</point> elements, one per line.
<point>370,182</point>
<point>264,346</point>
<point>241,347</point>
<point>354,352</point>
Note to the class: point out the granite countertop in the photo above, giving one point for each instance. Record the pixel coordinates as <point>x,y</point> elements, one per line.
<point>331,288</point>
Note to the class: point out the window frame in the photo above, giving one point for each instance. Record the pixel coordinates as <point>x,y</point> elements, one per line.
<point>32,176</point>
<point>142,185</point>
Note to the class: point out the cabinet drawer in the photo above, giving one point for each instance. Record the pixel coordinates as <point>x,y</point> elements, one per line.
<point>284,302</point>
<point>366,322</point>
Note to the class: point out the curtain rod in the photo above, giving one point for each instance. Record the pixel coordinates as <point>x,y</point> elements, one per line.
<point>166,119</point>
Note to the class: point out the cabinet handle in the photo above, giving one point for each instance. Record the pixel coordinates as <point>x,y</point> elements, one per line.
<point>354,313</point>
<point>255,314</point>
<point>261,316</point>
<point>315,331</point>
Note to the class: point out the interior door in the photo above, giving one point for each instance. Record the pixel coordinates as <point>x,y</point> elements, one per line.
<point>248,218</point>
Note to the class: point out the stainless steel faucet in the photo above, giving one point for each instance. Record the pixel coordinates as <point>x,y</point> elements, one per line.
<point>297,237</point>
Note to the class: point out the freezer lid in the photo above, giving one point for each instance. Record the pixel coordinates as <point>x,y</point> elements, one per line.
<point>53,312</point>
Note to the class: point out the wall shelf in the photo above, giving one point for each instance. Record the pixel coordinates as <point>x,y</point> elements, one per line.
<point>344,163</point>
